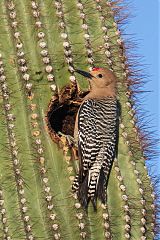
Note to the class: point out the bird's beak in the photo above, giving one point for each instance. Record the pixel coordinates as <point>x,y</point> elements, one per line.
<point>85,74</point>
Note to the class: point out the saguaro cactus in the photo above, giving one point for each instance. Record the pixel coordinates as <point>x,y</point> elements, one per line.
<point>41,43</point>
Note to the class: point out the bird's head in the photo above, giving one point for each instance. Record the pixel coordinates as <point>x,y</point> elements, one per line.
<point>101,79</point>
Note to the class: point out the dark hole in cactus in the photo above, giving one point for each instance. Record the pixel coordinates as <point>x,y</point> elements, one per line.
<point>62,117</point>
<point>62,113</point>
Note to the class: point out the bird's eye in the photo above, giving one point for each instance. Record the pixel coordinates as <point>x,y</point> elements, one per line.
<point>100,75</point>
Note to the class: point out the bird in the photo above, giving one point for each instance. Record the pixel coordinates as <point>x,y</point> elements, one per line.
<point>96,132</point>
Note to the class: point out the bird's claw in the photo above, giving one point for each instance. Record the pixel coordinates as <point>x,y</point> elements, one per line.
<point>70,139</point>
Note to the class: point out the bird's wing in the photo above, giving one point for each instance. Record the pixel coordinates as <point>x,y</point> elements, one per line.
<point>97,140</point>
<point>93,122</point>
<point>88,145</point>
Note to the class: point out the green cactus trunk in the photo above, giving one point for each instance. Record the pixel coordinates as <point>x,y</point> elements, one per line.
<point>41,42</point>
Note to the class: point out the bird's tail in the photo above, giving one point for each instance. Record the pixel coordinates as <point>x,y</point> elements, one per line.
<point>80,187</point>
<point>90,188</point>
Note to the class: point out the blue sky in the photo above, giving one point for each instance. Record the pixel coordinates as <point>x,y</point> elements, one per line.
<point>144,25</point>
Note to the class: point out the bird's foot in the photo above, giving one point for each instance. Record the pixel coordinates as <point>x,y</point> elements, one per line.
<point>70,139</point>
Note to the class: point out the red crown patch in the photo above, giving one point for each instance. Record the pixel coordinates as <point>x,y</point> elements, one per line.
<point>96,69</point>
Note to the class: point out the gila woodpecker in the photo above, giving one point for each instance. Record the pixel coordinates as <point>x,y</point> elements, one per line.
<point>96,130</point>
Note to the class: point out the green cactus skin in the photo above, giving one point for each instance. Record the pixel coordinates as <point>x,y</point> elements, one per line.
<point>40,43</point>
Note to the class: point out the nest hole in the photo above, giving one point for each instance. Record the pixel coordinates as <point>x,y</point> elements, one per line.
<point>61,117</point>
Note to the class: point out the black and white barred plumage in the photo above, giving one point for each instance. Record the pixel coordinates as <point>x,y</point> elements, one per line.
<point>98,121</point>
